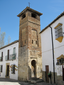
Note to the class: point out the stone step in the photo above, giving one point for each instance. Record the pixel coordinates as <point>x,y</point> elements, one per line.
<point>35,80</point>
<point>44,83</point>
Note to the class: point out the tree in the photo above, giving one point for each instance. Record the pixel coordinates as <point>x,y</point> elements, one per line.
<point>2,37</point>
<point>9,39</point>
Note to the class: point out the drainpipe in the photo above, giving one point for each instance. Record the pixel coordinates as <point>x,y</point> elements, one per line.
<point>53,53</point>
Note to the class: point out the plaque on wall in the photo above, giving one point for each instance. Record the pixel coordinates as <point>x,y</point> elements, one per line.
<point>59,70</point>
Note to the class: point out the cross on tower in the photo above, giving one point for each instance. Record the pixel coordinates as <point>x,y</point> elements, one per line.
<point>29,4</point>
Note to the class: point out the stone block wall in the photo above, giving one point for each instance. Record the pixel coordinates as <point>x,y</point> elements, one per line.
<point>28,51</point>
<point>23,63</point>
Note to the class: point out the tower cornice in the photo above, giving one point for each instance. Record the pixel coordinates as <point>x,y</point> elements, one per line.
<point>29,9</point>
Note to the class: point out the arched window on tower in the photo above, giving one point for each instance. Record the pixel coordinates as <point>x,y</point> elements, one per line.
<point>23,16</point>
<point>33,15</point>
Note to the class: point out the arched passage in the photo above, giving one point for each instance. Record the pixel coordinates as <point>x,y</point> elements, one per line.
<point>33,63</point>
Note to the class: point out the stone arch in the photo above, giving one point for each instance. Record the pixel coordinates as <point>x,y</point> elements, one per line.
<point>33,68</point>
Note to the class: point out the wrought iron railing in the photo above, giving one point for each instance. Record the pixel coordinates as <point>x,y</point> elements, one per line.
<point>1,59</point>
<point>10,57</point>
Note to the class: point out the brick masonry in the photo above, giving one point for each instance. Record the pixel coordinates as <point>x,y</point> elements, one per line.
<point>29,51</point>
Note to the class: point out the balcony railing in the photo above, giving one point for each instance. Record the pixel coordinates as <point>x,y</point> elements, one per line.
<point>11,57</point>
<point>1,59</point>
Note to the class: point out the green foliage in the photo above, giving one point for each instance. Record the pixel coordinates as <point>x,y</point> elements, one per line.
<point>2,37</point>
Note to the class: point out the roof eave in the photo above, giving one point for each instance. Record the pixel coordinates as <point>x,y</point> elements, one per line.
<point>9,44</point>
<point>62,14</point>
<point>28,8</point>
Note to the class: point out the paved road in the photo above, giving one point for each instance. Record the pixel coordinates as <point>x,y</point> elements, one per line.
<point>14,82</point>
<point>5,81</point>
<point>9,83</point>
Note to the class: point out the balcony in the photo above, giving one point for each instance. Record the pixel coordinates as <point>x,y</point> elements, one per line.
<point>10,57</point>
<point>1,59</point>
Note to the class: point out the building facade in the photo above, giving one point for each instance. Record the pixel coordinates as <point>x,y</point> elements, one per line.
<point>9,61</point>
<point>53,53</point>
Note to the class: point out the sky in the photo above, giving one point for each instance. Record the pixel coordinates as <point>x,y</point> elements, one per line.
<point>9,9</point>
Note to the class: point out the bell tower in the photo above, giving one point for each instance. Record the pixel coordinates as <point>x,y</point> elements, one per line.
<point>29,59</point>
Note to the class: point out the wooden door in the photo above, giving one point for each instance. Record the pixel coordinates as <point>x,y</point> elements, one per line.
<point>63,71</point>
<point>7,70</point>
<point>33,63</point>
<point>47,71</point>
<point>8,54</point>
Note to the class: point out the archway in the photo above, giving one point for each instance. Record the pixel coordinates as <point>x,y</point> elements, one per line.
<point>33,63</point>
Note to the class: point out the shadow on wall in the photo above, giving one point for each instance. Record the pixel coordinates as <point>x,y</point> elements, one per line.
<point>29,72</point>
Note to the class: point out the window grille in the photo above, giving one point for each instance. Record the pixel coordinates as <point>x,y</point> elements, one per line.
<point>13,69</point>
<point>58,32</point>
<point>1,68</point>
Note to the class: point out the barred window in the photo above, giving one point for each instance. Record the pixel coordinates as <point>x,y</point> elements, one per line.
<point>1,68</point>
<point>58,32</point>
<point>14,50</point>
<point>13,69</point>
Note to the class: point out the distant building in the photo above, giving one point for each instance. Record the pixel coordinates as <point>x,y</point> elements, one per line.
<point>57,53</point>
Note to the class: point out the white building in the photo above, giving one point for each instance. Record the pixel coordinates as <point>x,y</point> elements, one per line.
<point>57,27</point>
<point>9,61</point>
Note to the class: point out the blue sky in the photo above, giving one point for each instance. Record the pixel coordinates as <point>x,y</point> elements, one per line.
<point>9,9</point>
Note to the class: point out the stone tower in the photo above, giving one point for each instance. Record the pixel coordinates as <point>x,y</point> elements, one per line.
<point>29,59</point>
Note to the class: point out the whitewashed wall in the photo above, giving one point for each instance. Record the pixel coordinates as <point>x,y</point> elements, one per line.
<point>47,58</point>
<point>4,50</point>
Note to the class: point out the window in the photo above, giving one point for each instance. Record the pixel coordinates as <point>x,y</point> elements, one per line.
<point>58,31</point>
<point>23,16</point>
<point>14,50</point>
<point>25,41</point>
<point>13,69</point>
<point>8,55</point>
<point>2,56</point>
<point>32,41</point>
<point>36,42</point>
<point>33,15</point>
<point>0,68</point>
